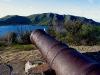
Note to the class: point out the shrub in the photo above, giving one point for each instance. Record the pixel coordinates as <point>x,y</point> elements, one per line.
<point>24,38</point>
<point>78,34</point>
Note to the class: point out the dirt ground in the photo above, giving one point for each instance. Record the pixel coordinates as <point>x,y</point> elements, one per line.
<point>18,59</point>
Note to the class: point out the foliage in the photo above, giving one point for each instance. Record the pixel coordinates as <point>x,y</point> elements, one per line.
<point>14,38</point>
<point>73,28</point>
<point>15,19</point>
<point>78,34</point>
<point>90,34</point>
<point>18,47</point>
<point>9,38</point>
<point>24,37</point>
<point>23,47</point>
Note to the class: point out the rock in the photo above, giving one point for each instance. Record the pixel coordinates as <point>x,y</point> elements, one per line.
<point>5,69</point>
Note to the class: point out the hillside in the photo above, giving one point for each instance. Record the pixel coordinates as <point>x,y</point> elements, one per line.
<point>45,19</point>
<point>54,19</point>
<point>14,19</point>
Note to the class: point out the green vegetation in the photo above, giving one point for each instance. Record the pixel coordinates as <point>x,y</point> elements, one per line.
<point>78,34</point>
<point>23,47</point>
<point>14,19</point>
<point>44,19</point>
<point>14,38</point>
<point>18,47</point>
<point>24,38</point>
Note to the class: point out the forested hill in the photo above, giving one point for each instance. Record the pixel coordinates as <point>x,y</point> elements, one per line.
<point>55,19</point>
<point>45,19</point>
<point>14,19</point>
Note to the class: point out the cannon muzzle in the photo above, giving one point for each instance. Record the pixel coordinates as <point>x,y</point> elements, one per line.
<point>63,59</point>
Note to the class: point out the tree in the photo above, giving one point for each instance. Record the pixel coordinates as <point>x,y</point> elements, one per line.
<point>73,28</point>
<point>10,37</point>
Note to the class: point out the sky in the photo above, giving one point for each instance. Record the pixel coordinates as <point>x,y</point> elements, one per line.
<point>84,8</point>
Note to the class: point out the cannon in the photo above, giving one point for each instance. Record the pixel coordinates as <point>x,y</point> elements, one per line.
<point>61,58</point>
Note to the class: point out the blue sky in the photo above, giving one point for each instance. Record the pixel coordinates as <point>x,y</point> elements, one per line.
<point>86,8</point>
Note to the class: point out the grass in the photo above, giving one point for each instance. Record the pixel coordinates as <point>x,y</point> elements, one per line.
<point>18,52</point>
<point>18,47</point>
<point>83,49</point>
<point>24,47</point>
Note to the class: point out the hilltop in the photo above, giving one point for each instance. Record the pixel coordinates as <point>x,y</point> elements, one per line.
<point>54,19</point>
<point>45,19</point>
<point>14,19</point>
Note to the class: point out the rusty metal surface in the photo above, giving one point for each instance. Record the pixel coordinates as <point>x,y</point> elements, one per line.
<point>61,58</point>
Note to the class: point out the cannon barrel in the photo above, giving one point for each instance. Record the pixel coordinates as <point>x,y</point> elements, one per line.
<point>61,58</point>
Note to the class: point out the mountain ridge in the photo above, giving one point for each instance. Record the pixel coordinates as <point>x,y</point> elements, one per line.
<point>44,19</point>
